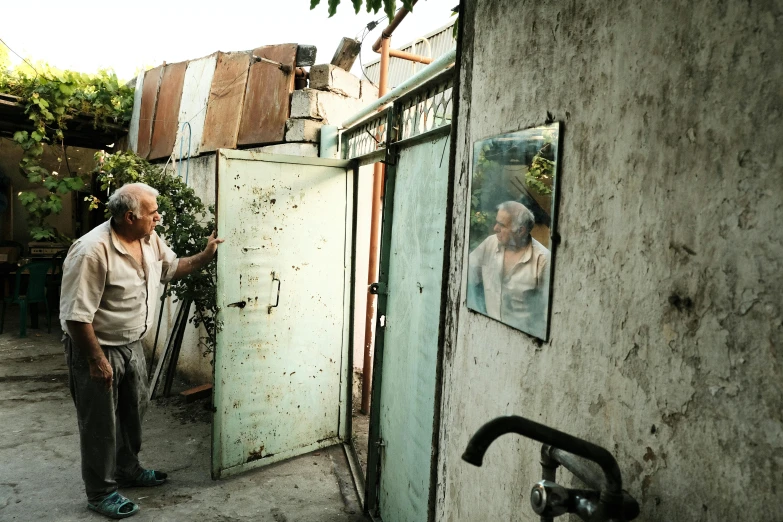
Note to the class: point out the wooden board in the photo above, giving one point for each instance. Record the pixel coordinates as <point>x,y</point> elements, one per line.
<point>268,96</point>
<point>346,53</point>
<point>164,128</point>
<point>193,105</point>
<point>225,102</point>
<point>149,99</point>
<point>197,393</point>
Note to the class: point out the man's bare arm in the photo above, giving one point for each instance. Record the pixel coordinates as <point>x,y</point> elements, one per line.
<point>85,341</point>
<point>188,265</point>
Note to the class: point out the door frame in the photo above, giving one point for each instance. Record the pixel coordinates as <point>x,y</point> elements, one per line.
<point>388,150</point>
<point>351,167</point>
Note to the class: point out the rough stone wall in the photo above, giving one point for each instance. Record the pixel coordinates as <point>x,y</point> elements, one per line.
<point>666,324</point>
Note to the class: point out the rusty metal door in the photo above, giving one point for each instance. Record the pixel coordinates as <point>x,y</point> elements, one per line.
<point>283,292</point>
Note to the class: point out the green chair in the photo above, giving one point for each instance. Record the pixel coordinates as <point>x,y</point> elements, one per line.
<point>35,293</point>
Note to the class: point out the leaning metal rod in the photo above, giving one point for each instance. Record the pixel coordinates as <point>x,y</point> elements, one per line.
<point>157,330</point>
<point>480,442</point>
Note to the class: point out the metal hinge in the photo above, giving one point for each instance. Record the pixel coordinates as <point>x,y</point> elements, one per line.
<point>381,443</point>
<point>378,289</point>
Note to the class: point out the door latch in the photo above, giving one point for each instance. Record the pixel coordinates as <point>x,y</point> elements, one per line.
<point>238,304</point>
<point>277,301</point>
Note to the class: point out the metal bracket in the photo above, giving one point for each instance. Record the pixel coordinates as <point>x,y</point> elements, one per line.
<point>378,289</point>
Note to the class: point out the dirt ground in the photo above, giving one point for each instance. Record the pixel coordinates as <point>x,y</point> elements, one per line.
<point>40,474</point>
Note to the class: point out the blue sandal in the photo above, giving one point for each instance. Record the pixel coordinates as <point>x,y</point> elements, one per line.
<point>147,478</point>
<point>115,506</point>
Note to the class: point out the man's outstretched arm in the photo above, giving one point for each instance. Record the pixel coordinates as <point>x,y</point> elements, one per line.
<point>188,265</point>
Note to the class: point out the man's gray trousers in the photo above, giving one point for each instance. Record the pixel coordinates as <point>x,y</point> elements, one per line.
<point>109,420</point>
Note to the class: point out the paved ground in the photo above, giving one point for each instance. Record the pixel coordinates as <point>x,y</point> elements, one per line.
<point>39,456</point>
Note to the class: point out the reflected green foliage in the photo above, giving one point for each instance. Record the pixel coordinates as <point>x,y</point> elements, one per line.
<point>508,167</point>
<point>186,224</point>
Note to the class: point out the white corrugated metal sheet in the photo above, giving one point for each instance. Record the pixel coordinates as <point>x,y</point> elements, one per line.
<point>133,129</point>
<point>195,95</point>
<point>434,44</point>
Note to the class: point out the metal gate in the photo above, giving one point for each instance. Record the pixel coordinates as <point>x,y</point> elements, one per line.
<point>412,139</point>
<point>284,279</point>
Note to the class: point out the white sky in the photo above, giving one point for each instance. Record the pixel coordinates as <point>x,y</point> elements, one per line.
<point>85,35</point>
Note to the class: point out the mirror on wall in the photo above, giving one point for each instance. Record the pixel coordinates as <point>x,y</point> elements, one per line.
<point>512,211</point>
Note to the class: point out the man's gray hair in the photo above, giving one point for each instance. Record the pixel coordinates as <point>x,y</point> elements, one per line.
<point>128,197</point>
<point>520,215</point>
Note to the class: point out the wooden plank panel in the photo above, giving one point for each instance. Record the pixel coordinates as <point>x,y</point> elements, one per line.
<point>133,129</point>
<point>225,102</point>
<point>149,99</point>
<point>193,105</point>
<point>164,129</point>
<point>268,96</point>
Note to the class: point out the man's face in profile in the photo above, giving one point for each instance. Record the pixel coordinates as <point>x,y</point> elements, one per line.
<point>149,218</point>
<point>503,227</point>
<point>504,232</point>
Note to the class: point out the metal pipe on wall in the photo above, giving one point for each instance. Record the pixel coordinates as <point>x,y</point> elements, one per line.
<point>410,56</point>
<point>375,243</point>
<point>438,66</point>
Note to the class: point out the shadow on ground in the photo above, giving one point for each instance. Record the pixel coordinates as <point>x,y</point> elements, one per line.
<point>40,475</point>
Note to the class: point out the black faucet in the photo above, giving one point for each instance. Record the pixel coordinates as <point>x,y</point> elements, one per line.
<point>606,502</point>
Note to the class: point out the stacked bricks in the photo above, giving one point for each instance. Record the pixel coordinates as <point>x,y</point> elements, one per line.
<point>333,96</point>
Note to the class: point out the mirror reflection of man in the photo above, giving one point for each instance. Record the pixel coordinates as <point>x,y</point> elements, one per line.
<point>508,273</point>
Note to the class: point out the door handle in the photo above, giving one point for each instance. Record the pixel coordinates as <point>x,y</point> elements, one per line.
<point>238,304</point>
<point>277,301</point>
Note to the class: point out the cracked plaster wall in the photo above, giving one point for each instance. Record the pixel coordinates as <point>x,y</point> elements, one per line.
<point>666,324</point>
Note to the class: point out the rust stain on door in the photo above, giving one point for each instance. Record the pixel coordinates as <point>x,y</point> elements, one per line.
<point>224,108</point>
<point>164,129</point>
<point>149,99</point>
<point>268,96</point>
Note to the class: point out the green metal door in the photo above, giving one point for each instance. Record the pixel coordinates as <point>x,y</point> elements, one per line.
<point>283,292</point>
<point>414,228</point>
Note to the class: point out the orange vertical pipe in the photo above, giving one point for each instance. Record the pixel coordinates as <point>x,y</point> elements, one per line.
<point>375,244</point>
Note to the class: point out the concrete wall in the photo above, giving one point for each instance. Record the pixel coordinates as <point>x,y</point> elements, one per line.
<point>666,324</point>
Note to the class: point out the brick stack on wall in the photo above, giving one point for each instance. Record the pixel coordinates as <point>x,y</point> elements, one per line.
<point>333,96</point>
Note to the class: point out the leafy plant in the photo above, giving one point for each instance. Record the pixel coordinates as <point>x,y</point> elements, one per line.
<point>372,6</point>
<point>539,176</point>
<point>186,224</point>
<point>51,98</point>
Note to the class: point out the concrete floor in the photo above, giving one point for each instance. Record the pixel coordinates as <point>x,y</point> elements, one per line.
<point>40,476</point>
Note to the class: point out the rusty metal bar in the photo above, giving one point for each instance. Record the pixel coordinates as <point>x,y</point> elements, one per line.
<point>409,56</point>
<point>386,34</point>
<point>375,242</point>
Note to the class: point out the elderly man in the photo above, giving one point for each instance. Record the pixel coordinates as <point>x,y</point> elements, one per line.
<point>111,282</point>
<point>513,269</point>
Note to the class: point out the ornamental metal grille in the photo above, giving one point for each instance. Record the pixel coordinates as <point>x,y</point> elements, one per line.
<point>366,137</point>
<point>426,109</point>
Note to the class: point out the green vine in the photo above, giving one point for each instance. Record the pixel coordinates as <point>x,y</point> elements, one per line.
<point>51,98</point>
<point>372,6</point>
<point>186,224</point>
